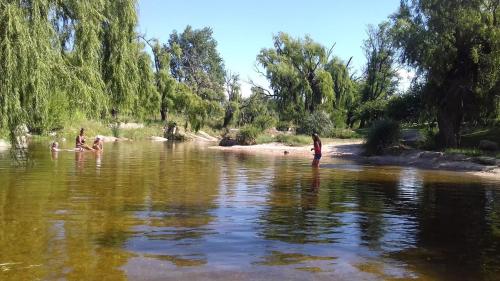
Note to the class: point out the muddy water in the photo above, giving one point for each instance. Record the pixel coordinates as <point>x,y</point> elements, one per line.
<point>150,211</point>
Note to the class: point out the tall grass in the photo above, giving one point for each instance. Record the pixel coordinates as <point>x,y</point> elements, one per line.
<point>294,140</point>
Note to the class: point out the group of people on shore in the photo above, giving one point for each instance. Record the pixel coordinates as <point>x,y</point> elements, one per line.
<point>81,145</point>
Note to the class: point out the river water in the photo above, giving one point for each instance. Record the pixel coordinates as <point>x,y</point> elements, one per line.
<point>163,211</point>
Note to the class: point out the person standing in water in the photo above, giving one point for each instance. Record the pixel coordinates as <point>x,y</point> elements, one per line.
<point>80,142</point>
<point>317,150</point>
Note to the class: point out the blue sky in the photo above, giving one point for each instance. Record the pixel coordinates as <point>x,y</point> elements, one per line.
<point>243,28</point>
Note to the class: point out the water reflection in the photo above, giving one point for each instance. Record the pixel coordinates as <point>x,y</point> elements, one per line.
<point>185,212</point>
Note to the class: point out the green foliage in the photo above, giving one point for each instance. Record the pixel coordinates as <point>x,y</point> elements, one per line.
<point>406,108</point>
<point>142,133</point>
<point>371,110</point>
<point>234,99</point>
<point>382,134</point>
<point>58,57</point>
<point>248,135</point>
<point>380,75</point>
<point>264,122</point>
<point>257,104</point>
<point>318,122</point>
<point>339,118</point>
<point>471,152</point>
<point>455,46</point>
<point>294,140</point>
<point>265,139</point>
<point>472,139</point>
<point>284,125</point>
<point>296,71</point>
<point>430,139</point>
<point>196,62</point>
<point>343,85</point>
<point>342,134</point>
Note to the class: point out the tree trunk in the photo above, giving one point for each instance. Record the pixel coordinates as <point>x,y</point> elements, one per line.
<point>163,113</point>
<point>362,123</point>
<point>449,122</point>
<point>227,118</point>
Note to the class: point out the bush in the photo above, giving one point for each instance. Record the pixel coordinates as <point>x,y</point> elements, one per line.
<point>284,125</point>
<point>339,118</point>
<point>248,135</point>
<point>430,139</point>
<point>371,110</point>
<point>264,139</point>
<point>264,122</point>
<point>381,135</point>
<point>405,108</point>
<point>318,122</point>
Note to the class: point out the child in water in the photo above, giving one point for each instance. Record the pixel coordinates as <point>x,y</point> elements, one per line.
<point>54,147</point>
<point>98,144</point>
<point>317,150</point>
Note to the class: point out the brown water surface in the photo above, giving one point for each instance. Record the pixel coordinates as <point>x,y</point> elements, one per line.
<point>163,211</point>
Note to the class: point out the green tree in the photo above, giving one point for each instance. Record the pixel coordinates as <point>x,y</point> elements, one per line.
<point>257,104</point>
<point>380,74</point>
<point>148,97</point>
<point>455,46</point>
<point>165,84</point>
<point>119,68</point>
<point>233,103</point>
<point>296,71</point>
<point>344,89</point>
<point>196,62</point>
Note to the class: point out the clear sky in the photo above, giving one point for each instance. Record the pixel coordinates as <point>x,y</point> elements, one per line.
<point>243,28</point>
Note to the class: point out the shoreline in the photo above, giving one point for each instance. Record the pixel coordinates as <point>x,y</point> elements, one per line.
<point>351,149</point>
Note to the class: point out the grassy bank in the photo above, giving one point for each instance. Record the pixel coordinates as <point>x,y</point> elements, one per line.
<point>472,139</point>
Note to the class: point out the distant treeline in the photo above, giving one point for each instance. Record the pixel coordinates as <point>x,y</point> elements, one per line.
<point>61,58</point>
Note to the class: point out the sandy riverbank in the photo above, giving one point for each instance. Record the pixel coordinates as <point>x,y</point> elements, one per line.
<point>352,150</point>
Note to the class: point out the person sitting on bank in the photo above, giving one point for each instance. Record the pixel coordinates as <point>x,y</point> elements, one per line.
<point>317,149</point>
<point>80,142</point>
<point>98,144</point>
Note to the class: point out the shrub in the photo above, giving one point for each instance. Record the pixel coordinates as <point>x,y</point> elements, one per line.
<point>264,122</point>
<point>318,122</point>
<point>371,110</point>
<point>264,139</point>
<point>430,139</point>
<point>407,107</point>
<point>381,135</point>
<point>284,125</point>
<point>339,118</point>
<point>248,135</point>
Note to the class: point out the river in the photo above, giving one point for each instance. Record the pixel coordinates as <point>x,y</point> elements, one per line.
<point>164,211</point>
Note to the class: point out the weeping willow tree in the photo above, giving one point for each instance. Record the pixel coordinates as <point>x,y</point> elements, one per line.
<point>28,63</point>
<point>58,57</point>
<point>119,66</point>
